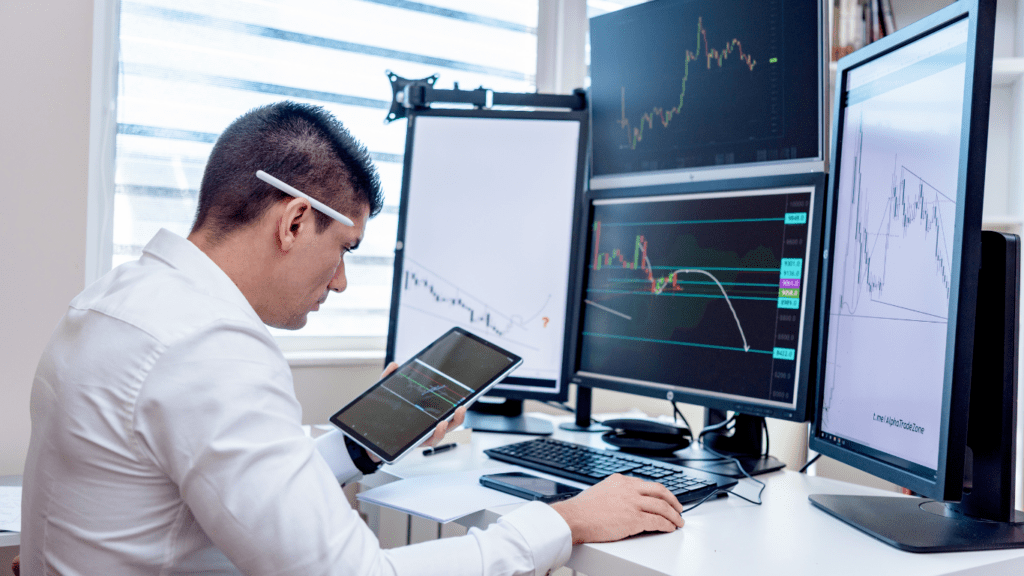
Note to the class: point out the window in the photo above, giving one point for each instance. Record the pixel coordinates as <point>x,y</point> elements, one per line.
<point>187,68</point>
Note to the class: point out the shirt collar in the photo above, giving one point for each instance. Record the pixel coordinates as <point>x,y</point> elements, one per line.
<point>181,254</point>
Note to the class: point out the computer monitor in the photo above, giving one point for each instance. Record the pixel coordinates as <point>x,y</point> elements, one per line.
<point>685,85</point>
<point>912,296</point>
<point>489,203</point>
<point>703,293</point>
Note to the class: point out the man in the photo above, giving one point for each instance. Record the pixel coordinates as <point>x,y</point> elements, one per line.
<point>166,436</point>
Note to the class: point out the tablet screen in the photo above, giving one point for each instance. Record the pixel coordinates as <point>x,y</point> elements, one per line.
<point>398,412</point>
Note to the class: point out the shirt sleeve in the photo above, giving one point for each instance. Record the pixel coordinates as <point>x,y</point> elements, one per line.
<point>218,415</point>
<point>334,451</point>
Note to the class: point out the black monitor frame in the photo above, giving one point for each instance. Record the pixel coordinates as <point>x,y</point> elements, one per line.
<point>507,416</point>
<point>964,275</point>
<point>799,411</point>
<point>972,482</point>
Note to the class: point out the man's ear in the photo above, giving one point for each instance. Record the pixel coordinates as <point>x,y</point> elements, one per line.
<point>296,219</point>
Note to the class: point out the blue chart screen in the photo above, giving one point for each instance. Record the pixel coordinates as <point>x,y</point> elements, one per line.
<point>683,84</point>
<point>703,292</point>
<point>893,253</point>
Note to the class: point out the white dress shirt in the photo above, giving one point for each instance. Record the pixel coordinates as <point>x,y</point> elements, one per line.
<point>166,439</point>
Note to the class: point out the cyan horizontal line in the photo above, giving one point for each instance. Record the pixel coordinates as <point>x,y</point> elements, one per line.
<point>679,222</point>
<point>680,294</point>
<point>698,282</point>
<point>673,342</point>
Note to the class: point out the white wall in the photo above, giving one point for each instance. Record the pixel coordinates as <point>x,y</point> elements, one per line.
<point>45,52</point>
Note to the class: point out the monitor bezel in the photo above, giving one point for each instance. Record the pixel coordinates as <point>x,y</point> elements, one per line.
<point>583,119</point>
<point>804,387</point>
<point>949,475</point>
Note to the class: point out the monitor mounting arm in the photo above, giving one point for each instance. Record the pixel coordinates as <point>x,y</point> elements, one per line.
<point>420,94</point>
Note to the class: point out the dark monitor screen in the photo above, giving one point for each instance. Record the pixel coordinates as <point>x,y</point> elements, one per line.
<point>485,238</point>
<point>703,293</point>
<point>685,84</point>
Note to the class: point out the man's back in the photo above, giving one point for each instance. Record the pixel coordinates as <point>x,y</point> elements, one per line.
<point>100,495</point>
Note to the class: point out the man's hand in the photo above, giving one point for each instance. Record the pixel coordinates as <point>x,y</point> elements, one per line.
<point>620,506</point>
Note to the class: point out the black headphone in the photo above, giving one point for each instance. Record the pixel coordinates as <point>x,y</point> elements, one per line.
<point>646,436</point>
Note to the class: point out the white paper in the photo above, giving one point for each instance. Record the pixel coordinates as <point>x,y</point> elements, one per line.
<point>441,497</point>
<point>10,508</point>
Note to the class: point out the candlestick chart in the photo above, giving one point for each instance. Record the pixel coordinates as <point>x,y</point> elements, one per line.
<point>683,84</point>
<point>707,55</point>
<point>702,290</point>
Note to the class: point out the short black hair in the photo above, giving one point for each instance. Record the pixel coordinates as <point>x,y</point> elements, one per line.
<point>301,144</point>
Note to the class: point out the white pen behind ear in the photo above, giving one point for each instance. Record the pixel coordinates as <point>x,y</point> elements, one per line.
<point>292,191</point>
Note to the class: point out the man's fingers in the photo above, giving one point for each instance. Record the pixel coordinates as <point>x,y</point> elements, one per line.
<point>660,524</point>
<point>458,418</point>
<point>659,491</point>
<point>389,369</point>
<point>662,509</point>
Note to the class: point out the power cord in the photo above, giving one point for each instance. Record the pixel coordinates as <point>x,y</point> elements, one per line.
<point>677,413</point>
<point>739,465</point>
<point>803,470</point>
<point>562,406</point>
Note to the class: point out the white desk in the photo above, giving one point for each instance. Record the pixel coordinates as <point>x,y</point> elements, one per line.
<point>10,538</point>
<point>786,536</point>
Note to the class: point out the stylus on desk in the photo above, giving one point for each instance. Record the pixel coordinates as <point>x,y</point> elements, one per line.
<point>439,449</point>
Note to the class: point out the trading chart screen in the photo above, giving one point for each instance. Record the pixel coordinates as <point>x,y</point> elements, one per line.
<point>893,249</point>
<point>486,238</point>
<point>705,293</point>
<point>682,84</point>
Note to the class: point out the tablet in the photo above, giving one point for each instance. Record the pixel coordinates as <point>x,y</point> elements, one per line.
<point>400,411</point>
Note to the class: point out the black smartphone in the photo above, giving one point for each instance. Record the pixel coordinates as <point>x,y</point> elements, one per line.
<point>529,486</point>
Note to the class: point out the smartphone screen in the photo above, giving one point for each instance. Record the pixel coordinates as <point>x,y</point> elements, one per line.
<point>529,486</point>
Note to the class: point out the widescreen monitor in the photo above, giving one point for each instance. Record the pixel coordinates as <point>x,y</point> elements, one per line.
<point>489,203</point>
<point>703,293</point>
<point>901,285</point>
<point>685,85</point>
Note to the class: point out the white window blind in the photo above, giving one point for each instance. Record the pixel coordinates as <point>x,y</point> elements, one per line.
<point>187,68</point>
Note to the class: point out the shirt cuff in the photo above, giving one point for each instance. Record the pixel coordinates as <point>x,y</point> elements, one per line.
<point>335,452</point>
<point>546,533</point>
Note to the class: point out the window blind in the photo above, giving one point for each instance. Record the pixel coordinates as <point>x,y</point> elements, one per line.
<point>187,68</point>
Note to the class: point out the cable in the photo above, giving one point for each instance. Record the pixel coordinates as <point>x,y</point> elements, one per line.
<point>803,470</point>
<point>561,406</point>
<point>744,472</point>
<point>767,439</point>
<point>716,427</point>
<point>703,500</point>
<point>679,413</point>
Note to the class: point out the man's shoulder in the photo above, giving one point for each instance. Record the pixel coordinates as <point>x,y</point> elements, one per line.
<point>163,302</point>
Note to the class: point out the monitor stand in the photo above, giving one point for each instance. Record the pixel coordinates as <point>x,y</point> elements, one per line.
<point>504,417</point>
<point>743,443</point>
<point>583,421</point>
<point>985,519</point>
